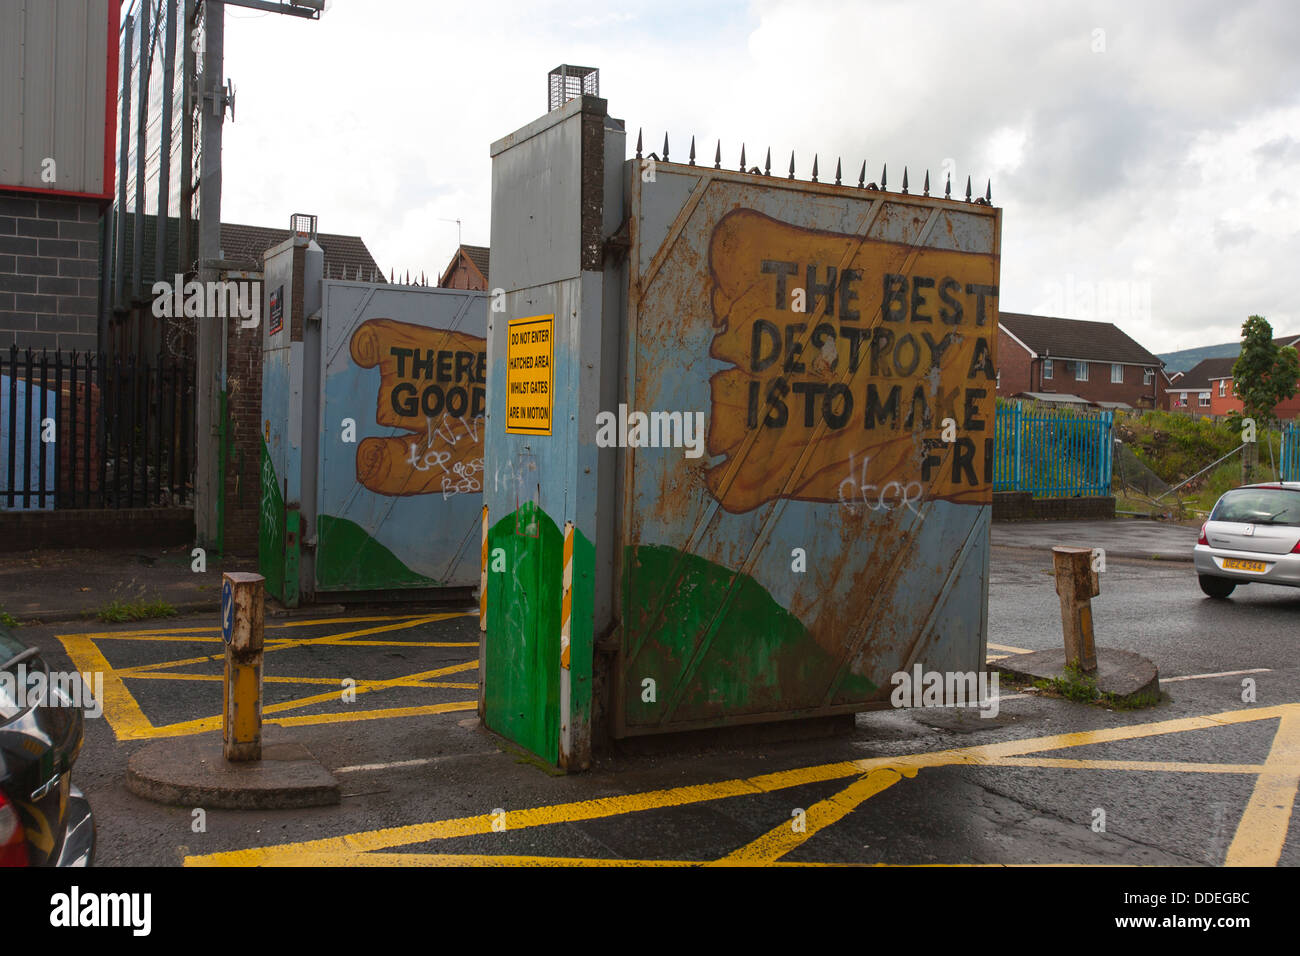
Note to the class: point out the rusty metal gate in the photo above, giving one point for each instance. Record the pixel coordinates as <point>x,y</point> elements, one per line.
<point>833,534</point>
<point>373,397</point>
<point>773,481</point>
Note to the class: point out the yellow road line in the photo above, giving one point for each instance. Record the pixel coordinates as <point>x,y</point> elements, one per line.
<point>366,686</point>
<point>141,634</point>
<point>120,707</point>
<point>1261,834</point>
<point>783,838</point>
<point>328,681</point>
<point>1009,649</point>
<point>285,644</point>
<point>205,724</point>
<point>400,643</point>
<point>1165,766</point>
<point>304,720</point>
<point>306,852</point>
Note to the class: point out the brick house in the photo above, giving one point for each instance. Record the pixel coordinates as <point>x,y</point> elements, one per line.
<point>1095,361</point>
<point>1224,402</point>
<point>1190,391</point>
<point>468,269</point>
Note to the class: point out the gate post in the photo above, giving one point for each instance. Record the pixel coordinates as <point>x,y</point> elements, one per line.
<point>1077,585</point>
<point>242,607</point>
<point>553,365</point>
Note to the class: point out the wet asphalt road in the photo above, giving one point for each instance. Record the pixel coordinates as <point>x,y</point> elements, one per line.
<point>966,810</point>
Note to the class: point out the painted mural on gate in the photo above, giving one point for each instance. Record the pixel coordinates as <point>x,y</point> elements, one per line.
<point>433,388</point>
<point>401,474</point>
<point>854,399</point>
<point>842,344</point>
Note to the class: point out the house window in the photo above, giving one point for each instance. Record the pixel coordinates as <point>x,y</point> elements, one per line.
<point>997,382</point>
<point>1205,399</point>
<point>1223,387</point>
<point>1081,371</point>
<point>1116,373</point>
<point>1148,376</point>
<point>1183,399</point>
<point>1047,368</point>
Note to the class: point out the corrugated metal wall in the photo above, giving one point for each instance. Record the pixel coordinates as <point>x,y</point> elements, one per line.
<point>54,56</point>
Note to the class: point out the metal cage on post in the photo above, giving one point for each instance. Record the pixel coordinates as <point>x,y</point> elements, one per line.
<point>567,81</point>
<point>303,224</point>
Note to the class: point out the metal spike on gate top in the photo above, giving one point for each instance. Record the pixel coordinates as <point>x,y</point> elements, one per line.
<point>792,164</point>
<point>968,189</point>
<point>665,147</point>
<point>837,171</point>
<point>925,190</point>
<point>692,162</point>
<point>638,143</point>
<point>717,156</point>
<point>988,192</point>
<point>862,176</point>
<point>904,180</point>
<point>884,170</point>
<point>814,176</point>
<point>947,188</point>
<point>767,163</point>
<point>742,157</point>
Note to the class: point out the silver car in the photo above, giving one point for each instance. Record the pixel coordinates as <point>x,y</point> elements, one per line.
<point>1252,536</point>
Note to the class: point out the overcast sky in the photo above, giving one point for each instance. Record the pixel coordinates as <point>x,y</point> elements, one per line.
<point>1146,155</point>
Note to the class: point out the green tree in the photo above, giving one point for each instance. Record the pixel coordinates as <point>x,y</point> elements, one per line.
<point>1264,374</point>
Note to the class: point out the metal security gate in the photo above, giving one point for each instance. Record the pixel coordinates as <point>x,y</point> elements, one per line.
<point>399,501</point>
<point>373,398</point>
<point>1290,464</point>
<point>1053,453</point>
<point>833,531</point>
<point>759,482</point>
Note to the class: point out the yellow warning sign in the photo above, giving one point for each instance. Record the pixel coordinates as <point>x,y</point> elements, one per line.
<point>529,356</point>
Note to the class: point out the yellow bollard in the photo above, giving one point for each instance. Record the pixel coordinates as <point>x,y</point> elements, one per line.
<point>1077,585</point>
<point>242,608</point>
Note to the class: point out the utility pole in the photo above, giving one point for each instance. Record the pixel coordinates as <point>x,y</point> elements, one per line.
<point>209,483</point>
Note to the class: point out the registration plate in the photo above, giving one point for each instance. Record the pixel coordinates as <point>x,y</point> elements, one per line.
<point>1236,564</point>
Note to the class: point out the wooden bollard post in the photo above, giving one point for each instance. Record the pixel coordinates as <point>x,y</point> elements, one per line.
<point>1077,585</point>
<point>242,607</point>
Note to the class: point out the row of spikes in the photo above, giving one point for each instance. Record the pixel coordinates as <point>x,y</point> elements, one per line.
<point>392,276</point>
<point>987,200</point>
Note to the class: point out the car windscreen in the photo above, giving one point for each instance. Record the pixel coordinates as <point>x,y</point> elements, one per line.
<point>1259,506</point>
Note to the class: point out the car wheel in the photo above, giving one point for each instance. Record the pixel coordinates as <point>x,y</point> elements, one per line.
<point>1216,587</point>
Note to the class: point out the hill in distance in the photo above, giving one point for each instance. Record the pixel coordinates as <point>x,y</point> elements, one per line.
<point>1187,358</point>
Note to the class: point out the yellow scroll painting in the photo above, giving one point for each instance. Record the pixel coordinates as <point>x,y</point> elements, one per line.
<point>432,384</point>
<point>880,390</point>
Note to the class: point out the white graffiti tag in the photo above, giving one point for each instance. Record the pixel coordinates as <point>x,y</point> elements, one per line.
<point>878,498</point>
<point>463,476</point>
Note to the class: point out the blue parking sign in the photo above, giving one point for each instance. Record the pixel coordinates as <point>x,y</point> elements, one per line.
<point>227,610</point>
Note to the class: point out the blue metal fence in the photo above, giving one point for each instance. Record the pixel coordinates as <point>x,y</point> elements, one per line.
<point>1050,453</point>
<point>1290,470</point>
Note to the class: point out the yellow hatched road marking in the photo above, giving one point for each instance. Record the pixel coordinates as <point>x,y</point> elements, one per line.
<point>783,838</point>
<point>1008,648</point>
<point>328,681</point>
<point>129,722</point>
<point>1260,833</point>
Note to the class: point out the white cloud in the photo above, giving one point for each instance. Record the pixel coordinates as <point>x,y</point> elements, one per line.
<point>1168,159</point>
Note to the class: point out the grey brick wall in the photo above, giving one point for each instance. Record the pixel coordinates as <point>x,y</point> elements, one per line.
<point>49,272</point>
